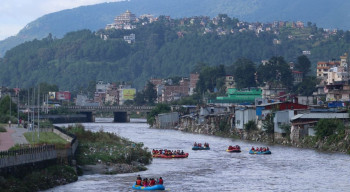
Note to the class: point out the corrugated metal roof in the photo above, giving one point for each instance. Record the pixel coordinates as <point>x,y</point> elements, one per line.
<point>267,104</point>
<point>321,116</point>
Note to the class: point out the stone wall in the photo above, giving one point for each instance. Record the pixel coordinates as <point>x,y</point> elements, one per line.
<point>206,124</point>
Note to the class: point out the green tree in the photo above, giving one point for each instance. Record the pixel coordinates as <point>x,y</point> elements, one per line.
<point>139,98</point>
<point>150,93</point>
<point>5,109</point>
<point>276,71</point>
<point>328,127</point>
<point>268,123</point>
<point>306,87</point>
<point>244,74</point>
<point>303,64</point>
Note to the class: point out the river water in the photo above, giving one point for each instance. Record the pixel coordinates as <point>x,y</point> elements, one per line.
<point>287,169</point>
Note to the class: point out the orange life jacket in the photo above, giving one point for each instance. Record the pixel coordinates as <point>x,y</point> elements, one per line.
<point>138,182</point>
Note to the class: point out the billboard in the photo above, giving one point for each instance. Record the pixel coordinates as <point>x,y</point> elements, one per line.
<point>129,94</point>
<point>63,95</point>
<point>52,95</point>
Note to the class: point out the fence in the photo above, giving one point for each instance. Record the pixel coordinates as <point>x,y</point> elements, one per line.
<point>27,155</point>
<point>40,153</point>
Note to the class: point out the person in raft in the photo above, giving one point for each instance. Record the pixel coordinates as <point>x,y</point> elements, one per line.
<point>160,181</point>
<point>138,180</point>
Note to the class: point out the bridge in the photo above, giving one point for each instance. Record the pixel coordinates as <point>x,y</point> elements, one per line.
<point>121,113</point>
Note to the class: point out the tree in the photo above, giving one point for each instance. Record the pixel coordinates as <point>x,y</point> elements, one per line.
<point>5,109</point>
<point>306,87</point>
<point>139,98</point>
<point>244,73</point>
<point>328,127</point>
<point>303,64</point>
<point>268,123</point>
<point>276,72</point>
<point>150,93</point>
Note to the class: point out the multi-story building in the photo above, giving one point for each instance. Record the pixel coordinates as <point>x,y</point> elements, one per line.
<point>324,66</point>
<point>194,77</point>
<point>229,82</point>
<point>124,18</point>
<point>175,92</point>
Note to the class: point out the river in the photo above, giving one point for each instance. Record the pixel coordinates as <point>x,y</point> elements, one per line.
<point>287,169</point>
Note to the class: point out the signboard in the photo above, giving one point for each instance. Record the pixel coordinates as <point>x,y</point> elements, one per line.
<point>129,94</point>
<point>63,95</point>
<point>52,95</point>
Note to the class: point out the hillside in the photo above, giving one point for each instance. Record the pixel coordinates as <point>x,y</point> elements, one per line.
<point>327,14</point>
<point>165,48</point>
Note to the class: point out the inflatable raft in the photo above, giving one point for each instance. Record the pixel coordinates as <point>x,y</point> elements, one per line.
<point>150,188</point>
<point>233,150</point>
<point>170,156</point>
<point>260,152</point>
<point>200,148</point>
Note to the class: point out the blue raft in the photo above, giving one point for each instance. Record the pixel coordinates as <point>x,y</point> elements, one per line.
<point>155,187</point>
<point>200,148</point>
<point>260,152</point>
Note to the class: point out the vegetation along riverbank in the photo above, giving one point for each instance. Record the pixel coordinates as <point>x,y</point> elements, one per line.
<point>107,153</point>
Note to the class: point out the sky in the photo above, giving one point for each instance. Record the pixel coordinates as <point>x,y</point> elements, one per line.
<point>16,14</point>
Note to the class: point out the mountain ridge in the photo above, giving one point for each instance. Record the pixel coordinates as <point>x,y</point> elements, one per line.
<point>326,14</point>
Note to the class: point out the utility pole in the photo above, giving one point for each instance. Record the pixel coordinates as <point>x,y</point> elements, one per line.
<point>38,111</point>
<point>28,110</point>
<point>17,107</point>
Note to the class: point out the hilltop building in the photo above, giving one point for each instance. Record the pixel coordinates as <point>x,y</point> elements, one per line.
<point>123,21</point>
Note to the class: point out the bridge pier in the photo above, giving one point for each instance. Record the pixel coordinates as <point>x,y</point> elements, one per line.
<point>121,117</point>
<point>89,116</point>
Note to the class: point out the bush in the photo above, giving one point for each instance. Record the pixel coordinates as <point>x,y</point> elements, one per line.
<point>251,125</point>
<point>2,129</point>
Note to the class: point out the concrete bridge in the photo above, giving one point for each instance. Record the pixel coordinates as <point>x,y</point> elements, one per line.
<point>121,113</point>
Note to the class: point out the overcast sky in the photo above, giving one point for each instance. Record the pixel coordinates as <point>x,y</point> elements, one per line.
<point>15,14</point>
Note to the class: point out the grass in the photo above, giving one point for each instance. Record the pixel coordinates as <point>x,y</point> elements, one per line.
<point>45,137</point>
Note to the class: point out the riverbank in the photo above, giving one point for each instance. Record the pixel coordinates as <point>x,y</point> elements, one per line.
<point>220,126</point>
<point>106,153</point>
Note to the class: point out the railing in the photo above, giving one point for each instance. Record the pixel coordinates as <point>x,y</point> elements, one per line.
<point>27,155</point>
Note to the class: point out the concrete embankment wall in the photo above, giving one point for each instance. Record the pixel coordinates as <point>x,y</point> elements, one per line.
<point>72,118</point>
<point>16,162</point>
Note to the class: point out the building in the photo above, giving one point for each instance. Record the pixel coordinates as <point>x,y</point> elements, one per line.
<point>130,38</point>
<point>303,124</point>
<point>112,95</point>
<point>281,119</point>
<point>126,93</point>
<point>126,17</point>
<point>194,77</point>
<point>229,82</point>
<point>243,116</point>
<point>175,92</point>
<point>324,66</point>
<point>239,96</point>
<point>297,76</point>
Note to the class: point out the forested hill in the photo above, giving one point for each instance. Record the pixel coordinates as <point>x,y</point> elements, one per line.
<point>326,13</point>
<point>164,48</point>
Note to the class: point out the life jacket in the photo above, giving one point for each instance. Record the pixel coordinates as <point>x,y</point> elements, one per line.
<point>138,182</point>
<point>152,182</point>
<point>160,182</point>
